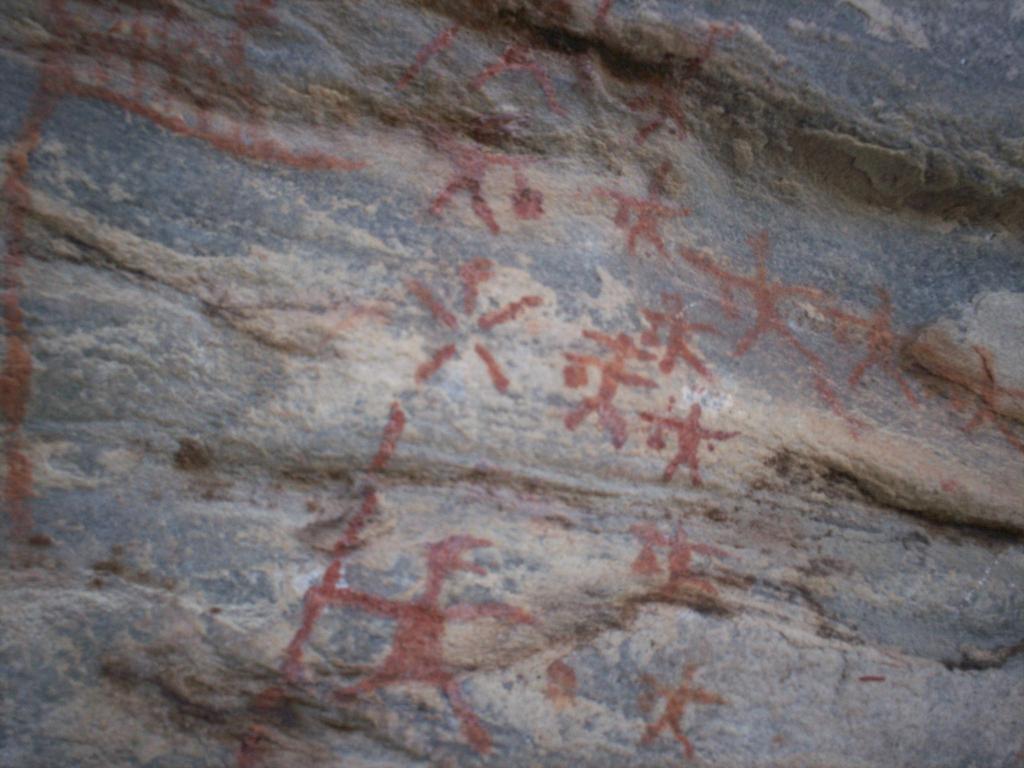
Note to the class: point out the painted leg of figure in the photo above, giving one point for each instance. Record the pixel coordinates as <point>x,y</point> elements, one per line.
<point>484,212</point>
<point>472,728</point>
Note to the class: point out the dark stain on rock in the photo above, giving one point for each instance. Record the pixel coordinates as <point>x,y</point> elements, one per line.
<point>143,577</point>
<point>112,567</point>
<point>716,514</point>
<point>275,705</point>
<point>825,566</point>
<point>192,455</point>
<point>973,659</point>
<point>126,675</point>
<point>789,468</point>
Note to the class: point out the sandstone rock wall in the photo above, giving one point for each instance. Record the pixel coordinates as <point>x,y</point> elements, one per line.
<point>521,382</point>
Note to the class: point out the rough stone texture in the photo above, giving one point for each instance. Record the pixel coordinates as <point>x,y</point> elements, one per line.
<point>967,350</point>
<point>602,382</point>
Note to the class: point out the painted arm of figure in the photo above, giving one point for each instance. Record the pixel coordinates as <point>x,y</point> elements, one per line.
<point>469,611</point>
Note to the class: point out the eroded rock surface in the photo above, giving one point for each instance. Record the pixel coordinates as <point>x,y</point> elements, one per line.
<point>981,350</point>
<point>516,383</point>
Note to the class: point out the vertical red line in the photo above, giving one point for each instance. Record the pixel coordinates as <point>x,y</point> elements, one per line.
<point>16,373</point>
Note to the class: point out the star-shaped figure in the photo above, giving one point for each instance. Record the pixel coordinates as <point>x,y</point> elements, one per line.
<point>881,340</point>
<point>990,393</point>
<point>676,701</point>
<point>471,274</point>
<point>678,332</point>
<point>641,217</point>
<point>614,374</point>
<point>766,294</point>
<point>690,433</point>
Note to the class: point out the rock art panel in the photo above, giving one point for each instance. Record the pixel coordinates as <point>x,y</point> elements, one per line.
<point>513,383</point>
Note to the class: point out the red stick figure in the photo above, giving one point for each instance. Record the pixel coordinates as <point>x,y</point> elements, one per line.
<point>689,435</point>
<point>766,294</point>
<point>471,166</point>
<point>881,340</point>
<point>676,701</point>
<point>313,605</point>
<point>471,274</point>
<point>417,654</point>
<point>662,98</point>
<point>520,58</point>
<point>443,40</point>
<point>987,411</point>
<point>680,559</point>
<point>641,217</point>
<point>613,375</point>
<point>678,331</point>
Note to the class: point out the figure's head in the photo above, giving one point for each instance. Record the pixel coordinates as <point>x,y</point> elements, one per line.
<point>445,556</point>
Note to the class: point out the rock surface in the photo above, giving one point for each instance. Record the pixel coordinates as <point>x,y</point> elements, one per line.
<point>981,351</point>
<point>529,382</point>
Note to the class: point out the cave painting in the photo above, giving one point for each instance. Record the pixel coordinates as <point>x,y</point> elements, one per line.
<point>471,275</point>
<point>135,61</point>
<point>676,701</point>
<point>471,166</point>
<point>661,101</point>
<point>765,295</point>
<point>986,411</point>
<point>158,50</point>
<point>678,560</point>
<point>879,337</point>
<point>678,331</point>
<point>441,42</point>
<point>641,217</point>
<point>416,650</point>
<point>519,58</point>
<point>313,602</point>
<point>618,351</point>
<point>689,433</point>
<point>561,687</point>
